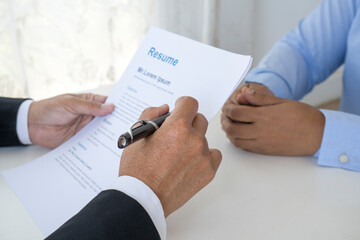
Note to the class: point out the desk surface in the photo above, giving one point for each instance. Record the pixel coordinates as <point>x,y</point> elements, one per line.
<point>252,197</point>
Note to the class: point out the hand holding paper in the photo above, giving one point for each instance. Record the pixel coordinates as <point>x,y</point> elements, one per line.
<point>53,121</point>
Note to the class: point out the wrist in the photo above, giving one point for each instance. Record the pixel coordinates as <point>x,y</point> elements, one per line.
<point>151,182</point>
<point>31,124</point>
<point>319,126</point>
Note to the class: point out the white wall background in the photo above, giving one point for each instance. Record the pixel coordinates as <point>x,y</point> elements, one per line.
<point>49,47</point>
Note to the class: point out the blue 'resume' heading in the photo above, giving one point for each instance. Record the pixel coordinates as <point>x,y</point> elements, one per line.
<point>162,57</point>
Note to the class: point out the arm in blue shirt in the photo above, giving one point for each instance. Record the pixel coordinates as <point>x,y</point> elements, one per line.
<point>305,57</point>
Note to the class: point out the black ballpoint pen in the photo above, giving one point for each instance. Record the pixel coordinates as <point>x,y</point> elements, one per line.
<point>145,129</point>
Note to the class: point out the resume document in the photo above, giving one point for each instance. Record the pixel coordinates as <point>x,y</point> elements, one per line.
<point>166,66</point>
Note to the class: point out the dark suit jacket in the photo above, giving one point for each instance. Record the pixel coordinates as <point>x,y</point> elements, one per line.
<point>110,215</point>
<point>8,113</point>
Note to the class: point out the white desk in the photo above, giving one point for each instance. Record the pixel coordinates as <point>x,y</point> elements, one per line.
<point>252,197</point>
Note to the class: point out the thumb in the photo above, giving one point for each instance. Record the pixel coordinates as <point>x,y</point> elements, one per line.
<point>258,99</point>
<point>88,107</point>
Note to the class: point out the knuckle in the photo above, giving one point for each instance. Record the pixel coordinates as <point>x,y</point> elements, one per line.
<point>188,100</point>
<point>203,119</point>
<point>231,138</point>
<point>237,91</point>
<point>265,149</point>
<point>248,146</point>
<point>222,117</point>
<point>238,144</point>
<point>229,129</point>
<point>219,155</point>
<point>191,100</point>
<point>209,176</point>
<point>232,112</point>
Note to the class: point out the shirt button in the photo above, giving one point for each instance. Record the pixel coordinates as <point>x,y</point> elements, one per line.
<point>344,158</point>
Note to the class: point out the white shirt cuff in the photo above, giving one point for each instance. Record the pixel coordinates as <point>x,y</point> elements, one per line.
<point>22,122</point>
<point>139,191</point>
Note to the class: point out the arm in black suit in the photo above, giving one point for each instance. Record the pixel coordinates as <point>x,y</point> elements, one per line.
<point>8,114</point>
<point>110,215</point>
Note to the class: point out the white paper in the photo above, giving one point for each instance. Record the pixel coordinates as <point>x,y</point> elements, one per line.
<point>57,185</point>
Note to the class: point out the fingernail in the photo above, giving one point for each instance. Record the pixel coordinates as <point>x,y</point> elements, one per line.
<point>107,106</point>
<point>249,91</point>
<point>162,106</point>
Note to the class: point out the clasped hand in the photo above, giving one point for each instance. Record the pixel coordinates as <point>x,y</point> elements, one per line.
<point>257,121</point>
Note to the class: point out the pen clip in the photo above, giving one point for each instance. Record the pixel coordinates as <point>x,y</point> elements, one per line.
<point>141,122</point>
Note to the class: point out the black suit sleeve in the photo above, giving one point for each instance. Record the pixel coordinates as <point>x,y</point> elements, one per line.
<point>8,114</point>
<point>110,215</point>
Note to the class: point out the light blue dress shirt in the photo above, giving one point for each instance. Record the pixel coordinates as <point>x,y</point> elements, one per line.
<point>306,56</point>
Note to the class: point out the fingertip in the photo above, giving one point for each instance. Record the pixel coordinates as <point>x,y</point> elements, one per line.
<point>98,98</point>
<point>248,91</point>
<point>248,96</point>
<point>102,99</point>
<point>219,154</point>
<point>239,99</point>
<point>164,108</point>
<point>187,100</point>
<point>185,109</point>
<point>200,124</point>
<point>106,108</point>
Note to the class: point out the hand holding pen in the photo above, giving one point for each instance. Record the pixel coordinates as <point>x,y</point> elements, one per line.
<point>145,128</point>
<point>175,162</point>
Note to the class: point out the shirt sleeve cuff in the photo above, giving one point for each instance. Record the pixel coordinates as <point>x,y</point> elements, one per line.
<point>22,122</point>
<point>139,191</point>
<point>272,81</point>
<point>341,140</point>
